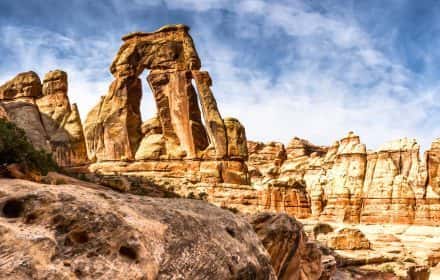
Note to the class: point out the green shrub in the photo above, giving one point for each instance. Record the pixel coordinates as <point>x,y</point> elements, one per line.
<point>387,268</point>
<point>231,209</point>
<point>203,196</point>
<point>191,195</point>
<point>15,148</point>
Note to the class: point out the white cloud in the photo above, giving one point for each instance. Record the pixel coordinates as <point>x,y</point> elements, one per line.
<point>85,60</point>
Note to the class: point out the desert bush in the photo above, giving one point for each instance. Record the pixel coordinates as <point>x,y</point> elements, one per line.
<point>16,148</point>
<point>321,228</point>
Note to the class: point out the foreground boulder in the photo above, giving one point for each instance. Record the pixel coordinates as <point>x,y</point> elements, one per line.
<point>77,232</point>
<point>293,258</point>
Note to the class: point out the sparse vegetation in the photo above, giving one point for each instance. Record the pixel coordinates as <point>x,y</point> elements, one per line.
<point>191,195</point>
<point>15,148</point>
<point>232,209</point>
<point>203,196</point>
<point>387,268</point>
<point>321,228</point>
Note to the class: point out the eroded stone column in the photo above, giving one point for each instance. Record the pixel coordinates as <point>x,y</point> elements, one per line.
<point>213,120</point>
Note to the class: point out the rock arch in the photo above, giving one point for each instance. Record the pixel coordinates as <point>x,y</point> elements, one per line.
<point>114,130</point>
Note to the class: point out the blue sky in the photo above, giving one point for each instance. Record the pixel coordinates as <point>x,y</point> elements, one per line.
<point>313,69</point>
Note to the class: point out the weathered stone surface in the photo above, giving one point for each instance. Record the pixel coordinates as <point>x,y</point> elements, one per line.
<point>237,145</point>
<point>345,183</point>
<point>113,127</point>
<point>283,237</point>
<point>3,113</point>
<point>25,114</point>
<point>347,239</point>
<point>17,98</point>
<point>286,197</point>
<point>390,183</point>
<point>26,84</point>
<point>62,121</point>
<point>346,177</point>
<point>265,159</point>
<point>114,131</point>
<point>73,231</point>
<point>44,112</point>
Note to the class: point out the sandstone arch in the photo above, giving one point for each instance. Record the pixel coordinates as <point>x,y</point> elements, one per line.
<point>181,130</point>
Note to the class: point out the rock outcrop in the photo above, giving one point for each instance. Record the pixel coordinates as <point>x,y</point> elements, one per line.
<point>18,98</point>
<point>44,112</point>
<point>61,120</point>
<point>346,183</point>
<point>347,239</point>
<point>74,231</point>
<point>180,133</point>
<point>292,256</point>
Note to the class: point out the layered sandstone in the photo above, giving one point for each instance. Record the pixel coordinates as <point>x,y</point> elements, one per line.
<point>18,98</point>
<point>181,135</point>
<point>44,112</point>
<point>292,256</point>
<point>346,183</point>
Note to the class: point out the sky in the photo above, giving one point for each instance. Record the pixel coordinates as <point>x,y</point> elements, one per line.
<point>284,68</point>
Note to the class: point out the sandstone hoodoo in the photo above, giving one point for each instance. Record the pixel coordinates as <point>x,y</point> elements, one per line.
<point>44,112</point>
<point>181,134</point>
<point>346,183</point>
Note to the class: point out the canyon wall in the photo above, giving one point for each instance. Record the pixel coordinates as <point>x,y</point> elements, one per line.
<point>345,182</point>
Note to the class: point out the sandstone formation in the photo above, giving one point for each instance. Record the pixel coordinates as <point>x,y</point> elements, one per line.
<point>79,232</point>
<point>61,120</point>
<point>292,256</point>
<point>360,250</point>
<point>18,98</point>
<point>346,183</point>
<point>347,239</point>
<point>44,112</point>
<point>180,133</point>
